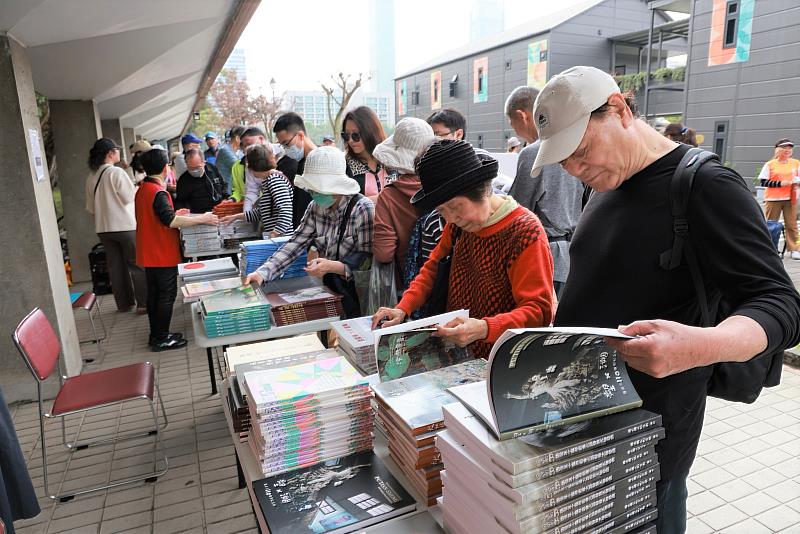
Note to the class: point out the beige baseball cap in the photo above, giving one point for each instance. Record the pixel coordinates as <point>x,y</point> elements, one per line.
<point>562,111</point>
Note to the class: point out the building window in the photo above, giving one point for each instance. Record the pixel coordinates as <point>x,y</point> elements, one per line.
<point>480,79</point>
<point>731,24</point>
<point>720,139</point>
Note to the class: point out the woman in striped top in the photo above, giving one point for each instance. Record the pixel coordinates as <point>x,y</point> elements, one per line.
<point>274,207</point>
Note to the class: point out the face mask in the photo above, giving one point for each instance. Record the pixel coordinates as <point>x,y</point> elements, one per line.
<point>295,152</point>
<point>197,173</point>
<point>322,200</point>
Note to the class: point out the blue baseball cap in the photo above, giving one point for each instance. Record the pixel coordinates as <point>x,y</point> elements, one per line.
<point>190,138</point>
<point>210,135</point>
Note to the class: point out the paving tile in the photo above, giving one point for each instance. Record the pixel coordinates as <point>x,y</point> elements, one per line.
<point>713,478</point>
<point>242,523</point>
<point>129,493</point>
<point>128,522</point>
<point>80,505</point>
<point>128,508</point>
<point>772,457</point>
<point>735,489</point>
<point>755,503</point>
<point>178,496</point>
<point>163,513</point>
<point>717,428</point>
<point>696,526</point>
<point>743,467</point>
<point>72,523</point>
<point>752,446</point>
<point>733,437</point>
<point>708,445</point>
<point>785,491</point>
<point>748,526</point>
<point>724,456</point>
<point>230,511</point>
<point>779,518</point>
<point>703,502</point>
<point>722,517</point>
<point>700,465</point>
<point>188,523</point>
<point>764,478</point>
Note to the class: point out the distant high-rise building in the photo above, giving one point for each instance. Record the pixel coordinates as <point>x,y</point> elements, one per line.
<point>382,55</point>
<point>312,105</point>
<point>486,18</point>
<point>236,61</point>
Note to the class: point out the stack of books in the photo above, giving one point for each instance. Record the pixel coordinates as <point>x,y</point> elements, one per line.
<point>193,291</point>
<point>357,344</point>
<point>223,209</point>
<point>200,238</point>
<point>307,413</point>
<point>552,441</point>
<point>260,356</point>
<point>307,304</point>
<point>347,494</point>
<point>255,253</point>
<point>235,311</point>
<point>205,270</point>
<point>410,413</point>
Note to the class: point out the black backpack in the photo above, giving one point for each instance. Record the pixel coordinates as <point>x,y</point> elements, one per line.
<point>732,381</point>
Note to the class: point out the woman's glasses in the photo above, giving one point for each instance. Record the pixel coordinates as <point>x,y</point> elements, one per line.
<point>355,136</point>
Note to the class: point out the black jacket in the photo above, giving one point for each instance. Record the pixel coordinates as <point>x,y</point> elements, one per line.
<point>203,193</point>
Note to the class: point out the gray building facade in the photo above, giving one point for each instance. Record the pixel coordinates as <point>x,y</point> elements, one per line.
<point>526,55</point>
<point>744,78</point>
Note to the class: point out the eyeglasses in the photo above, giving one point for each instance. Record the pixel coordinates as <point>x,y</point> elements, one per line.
<point>355,136</point>
<point>288,143</point>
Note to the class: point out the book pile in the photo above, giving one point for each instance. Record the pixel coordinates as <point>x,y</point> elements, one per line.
<point>200,238</point>
<point>307,413</point>
<point>199,271</point>
<point>347,494</point>
<point>261,356</point>
<point>235,311</point>
<point>223,209</point>
<point>255,253</point>
<point>307,304</point>
<point>551,441</point>
<point>234,233</point>
<point>410,413</point>
<point>192,291</point>
<point>357,344</point>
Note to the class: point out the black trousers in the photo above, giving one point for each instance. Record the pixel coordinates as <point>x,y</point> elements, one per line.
<point>122,269</point>
<point>162,288</point>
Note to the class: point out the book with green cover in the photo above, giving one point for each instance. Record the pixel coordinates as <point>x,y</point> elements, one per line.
<point>234,300</point>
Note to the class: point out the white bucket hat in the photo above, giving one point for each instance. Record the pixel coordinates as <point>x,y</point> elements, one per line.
<point>399,151</point>
<point>562,111</point>
<point>325,172</point>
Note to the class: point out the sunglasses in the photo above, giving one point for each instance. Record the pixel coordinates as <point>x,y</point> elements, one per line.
<point>355,136</point>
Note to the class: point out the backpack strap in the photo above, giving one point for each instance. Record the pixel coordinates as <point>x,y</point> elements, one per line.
<point>680,188</point>
<point>97,184</point>
<point>343,224</point>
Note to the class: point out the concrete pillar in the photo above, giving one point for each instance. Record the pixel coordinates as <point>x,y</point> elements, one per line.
<point>31,265</point>
<point>76,127</point>
<point>112,129</point>
<point>128,138</point>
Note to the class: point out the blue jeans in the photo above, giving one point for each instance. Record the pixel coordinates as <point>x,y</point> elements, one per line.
<point>672,495</point>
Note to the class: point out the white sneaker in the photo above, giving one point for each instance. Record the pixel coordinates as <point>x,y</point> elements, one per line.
<point>795,255</point>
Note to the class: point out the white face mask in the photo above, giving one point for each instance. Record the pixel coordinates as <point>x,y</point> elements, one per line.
<point>197,173</point>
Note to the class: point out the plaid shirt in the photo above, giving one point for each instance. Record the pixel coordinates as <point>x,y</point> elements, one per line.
<point>320,228</point>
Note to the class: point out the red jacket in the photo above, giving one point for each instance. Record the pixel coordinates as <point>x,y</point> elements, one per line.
<point>156,245</point>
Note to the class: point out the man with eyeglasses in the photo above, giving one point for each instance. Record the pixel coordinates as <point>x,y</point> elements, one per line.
<point>290,131</point>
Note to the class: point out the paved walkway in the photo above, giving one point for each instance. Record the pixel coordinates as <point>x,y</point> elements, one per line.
<point>745,478</point>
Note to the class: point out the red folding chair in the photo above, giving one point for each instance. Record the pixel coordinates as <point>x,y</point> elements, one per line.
<point>39,346</point>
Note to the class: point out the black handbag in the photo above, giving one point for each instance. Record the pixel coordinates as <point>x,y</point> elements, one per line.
<point>346,288</point>
<point>732,381</point>
<point>437,301</point>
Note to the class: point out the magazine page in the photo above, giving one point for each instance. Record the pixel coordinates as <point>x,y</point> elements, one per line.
<point>355,332</point>
<point>410,348</point>
<point>540,378</point>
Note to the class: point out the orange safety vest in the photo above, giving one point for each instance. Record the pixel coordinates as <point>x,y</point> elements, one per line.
<point>781,172</point>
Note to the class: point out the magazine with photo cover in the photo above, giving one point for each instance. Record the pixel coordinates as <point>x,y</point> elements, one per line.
<point>343,495</point>
<point>411,348</point>
<point>543,378</point>
<point>546,447</point>
<point>244,300</point>
<point>417,400</point>
<point>275,348</point>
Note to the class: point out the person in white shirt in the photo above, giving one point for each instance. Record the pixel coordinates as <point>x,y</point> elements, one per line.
<point>109,197</point>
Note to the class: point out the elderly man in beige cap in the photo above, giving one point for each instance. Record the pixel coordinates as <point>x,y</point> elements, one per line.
<point>338,222</point>
<point>622,273</point>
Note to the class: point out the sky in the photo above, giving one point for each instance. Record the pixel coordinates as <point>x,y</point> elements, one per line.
<point>332,36</point>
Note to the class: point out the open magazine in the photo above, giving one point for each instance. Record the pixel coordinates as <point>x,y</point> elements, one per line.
<point>541,378</point>
<point>410,348</point>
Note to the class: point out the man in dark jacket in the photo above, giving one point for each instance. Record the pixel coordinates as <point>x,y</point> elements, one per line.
<point>201,187</point>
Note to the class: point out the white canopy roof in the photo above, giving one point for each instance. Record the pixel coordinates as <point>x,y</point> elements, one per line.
<point>146,62</point>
